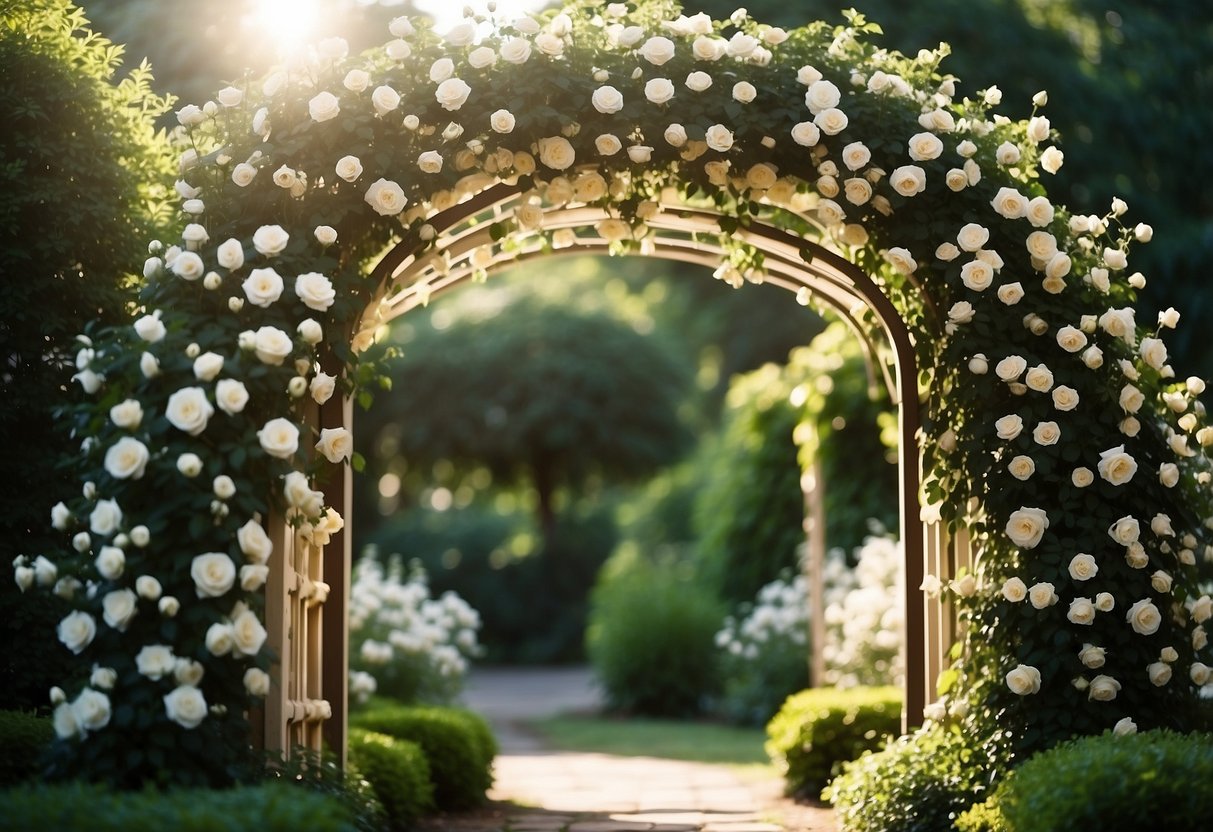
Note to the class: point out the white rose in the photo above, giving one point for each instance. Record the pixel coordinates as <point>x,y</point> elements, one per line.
<point>719,138</point>
<point>150,328</point>
<point>155,661</point>
<point>61,516</point>
<point>1042,595</point>
<point>1010,293</point>
<point>77,630</point>
<point>270,240</point>
<point>188,266</point>
<point>323,106</point>
<point>279,438</point>
<point>315,290</point>
<point>148,587</point>
<point>832,121</point>
<point>452,93</point>
<point>126,459</point>
<point>1010,368</point>
<point>64,720</point>
<point>386,197</point>
<point>1083,567</point>
<point>1103,689</point>
<point>675,135</point>
<point>977,275</point>
<point>1009,203</point>
<point>607,100</point>
<point>743,91</point>
<point>482,56</point>
<point>213,573</point>
<point>972,237</point>
<point>271,345</point>
<point>822,95</point>
<point>256,682</point>
<point>924,147</point>
<point>857,191</point>
<point>908,180</point>
<point>1160,581</point>
<point>502,121</point>
<point>1014,590</point>
<point>1161,526</point>
<point>1039,211</point>
<point>1154,352</point>
<point>1092,657</point>
<point>1046,433</point>
<point>248,634</point>
<point>356,80</point>
<point>806,134</point>
<point>118,608</point>
<point>1026,526</point>
<point>1116,466</point>
<point>1144,617</point>
<point>105,518</point>
<point>253,576</point>
<point>1081,611</point>
<point>186,706</point>
<point>110,562</point>
<point>91,710</point>
<point>336,444</point>
<point>1039,378</point>
<point>441,69</point>
<point>189,410</point>
<point>515,50</point>
<point>1021,467</point>
<point>608,144</point>
<point>231,396</point>
<point>741,45</point>
<point>556,152</point>
<point>1009,426</point>
<point>254,542</point>
<point>1023,680</point>
<point>1200,673</point>
<point>326,235</point>
<point>657,50</point>
<point>223,487</point>
<point>385,99</point>
<point>708,48</point>
<point>1105,602</point>
<point>761,176</point>
<point>349,168</point>
<point>322,387</point>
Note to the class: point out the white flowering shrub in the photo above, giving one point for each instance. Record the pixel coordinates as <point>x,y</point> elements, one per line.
<point>865,623</point>
<point>1053,424</point>
<point>766,646</point>
<point>765,651</point>
<point>403,643</point>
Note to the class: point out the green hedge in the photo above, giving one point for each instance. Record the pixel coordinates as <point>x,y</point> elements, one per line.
<point>398,772</point>
<point>1153,780</point>
<point>818,729</point>
<point>918,783</point>
<point>23,738</point>
<point>277,807</point>
<point>459,759</point>
<point>652,641</point>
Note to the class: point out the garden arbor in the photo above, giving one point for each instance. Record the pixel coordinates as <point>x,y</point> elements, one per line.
<point>1042,427</point>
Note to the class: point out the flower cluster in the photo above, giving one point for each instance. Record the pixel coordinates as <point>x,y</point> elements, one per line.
<point>404,643</point>
<point>865,619</point>
<point>1054,425</point>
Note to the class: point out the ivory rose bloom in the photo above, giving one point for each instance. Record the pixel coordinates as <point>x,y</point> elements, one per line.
<point>254,542</point>
<point>270,240</point>
<point>1159,673</point>
<point>657,50</point>
<point>1083,567</point>
<point>908,180</point>
<point>386,197</point>
<point>607,100</point>
<point>1009,426</point>
<point>186,706</point>
<point>1081,611</point>
<point>972,237</point>
<point>213,573</point>
<point>220,639</point>
<point>1046,433</point>
<point>1026,526</point>
<point>256,681</point>
<point>315,290</point>
<point>349,168</point>
<point>91,710</point>
<point>262,287</point>
<point>77,630</point>
<point>1065,398</point>
<point>323,106</point>
<point>155,661</point>
<point>271,345</point>
<point>279,438</point>
<point>556,152</point>
<point>248,634</point>
<point>189,410</point>
<point>1144,617</point>
<point>1116,466</point>
<point>719,138</point>
<point>1103,689</point>
<point>1092,657</point>
<point>502,121</point>
<point>118,608</point>
<point>1014,590</point>
<point>1021,467</point>
<point>231,396</point>
<point>1042,595</point>
<point>336,444</point>
<point>1024,680</point>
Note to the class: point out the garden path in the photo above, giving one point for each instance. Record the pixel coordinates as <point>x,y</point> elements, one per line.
<point>541,790</point>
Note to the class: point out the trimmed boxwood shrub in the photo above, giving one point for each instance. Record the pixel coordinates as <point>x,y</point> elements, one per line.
<point>23,738</point>
<point>398,772</point>
<point>1151,780</point>
<point>460,765</point>
<point>276,807</point>
<point>818,729</point>
<point>918,783</point>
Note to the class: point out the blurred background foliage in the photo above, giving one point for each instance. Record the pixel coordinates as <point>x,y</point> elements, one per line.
<point>649,441</point>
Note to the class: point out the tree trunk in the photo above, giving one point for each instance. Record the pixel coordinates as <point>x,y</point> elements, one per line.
<point>545,493</point>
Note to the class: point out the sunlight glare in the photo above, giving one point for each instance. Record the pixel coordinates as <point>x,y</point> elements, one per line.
<point>289,23</point>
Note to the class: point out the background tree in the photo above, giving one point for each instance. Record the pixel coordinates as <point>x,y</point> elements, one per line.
<point>83,185</point>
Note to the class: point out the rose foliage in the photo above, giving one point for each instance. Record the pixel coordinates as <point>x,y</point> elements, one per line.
<point>1054,426</point>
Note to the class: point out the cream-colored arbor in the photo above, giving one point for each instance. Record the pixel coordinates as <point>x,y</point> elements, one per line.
<point>314,667</point>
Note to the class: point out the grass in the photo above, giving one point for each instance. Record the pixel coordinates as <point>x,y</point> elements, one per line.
<point>704,742</point>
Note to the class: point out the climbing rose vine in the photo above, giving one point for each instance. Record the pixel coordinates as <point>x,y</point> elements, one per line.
<point>1055,428</point>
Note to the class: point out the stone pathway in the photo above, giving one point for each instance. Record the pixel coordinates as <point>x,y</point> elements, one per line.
<point>538,790</point>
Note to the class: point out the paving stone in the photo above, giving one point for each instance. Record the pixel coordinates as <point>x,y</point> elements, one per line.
<point>742,826</point>
<point>609,826</point>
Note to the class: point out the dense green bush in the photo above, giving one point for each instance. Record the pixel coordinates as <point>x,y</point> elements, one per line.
<point>23,739</point>
<point>398,772</point>
<point>460,764</point>
<point>83,181</point>
<point>323,774</point>
<point>819,729</point>
<point>78,808</point>
<point>651,641</point>
<point>918,783</point>
<point>1155,779</point>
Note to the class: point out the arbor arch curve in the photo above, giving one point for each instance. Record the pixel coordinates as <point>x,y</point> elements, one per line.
<point>1052,425</point>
